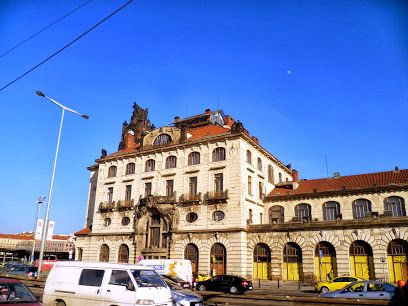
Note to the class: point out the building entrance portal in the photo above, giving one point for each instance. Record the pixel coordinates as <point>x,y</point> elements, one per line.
<point>218,259</point>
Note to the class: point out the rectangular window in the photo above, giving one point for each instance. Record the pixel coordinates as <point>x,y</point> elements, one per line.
<point>148,189</point>
<point>119,277</point>
<point>91,277</point>
<point>169,188</point>
<point>249,185</point>
<point>155,237</point>
<point>260,190</point>
<point>110,195</point>
<point>250,216</point>
<point>193,185</point>
<point>260,218</point>
<point>128,194</point>
<point>218,182</point>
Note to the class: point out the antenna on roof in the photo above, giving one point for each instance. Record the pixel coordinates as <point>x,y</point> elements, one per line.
<point>327,168</point>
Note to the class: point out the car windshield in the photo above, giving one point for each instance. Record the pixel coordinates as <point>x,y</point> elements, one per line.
<point>12,293</point>
<point>147,278</point>
<point>175,278</point>
<point>173,285</point>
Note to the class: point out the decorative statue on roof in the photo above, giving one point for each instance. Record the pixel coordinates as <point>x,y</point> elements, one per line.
<point>237,127</point>
<point>104,153</point>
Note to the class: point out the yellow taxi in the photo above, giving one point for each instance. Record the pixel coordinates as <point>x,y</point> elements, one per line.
<point>336,283</point>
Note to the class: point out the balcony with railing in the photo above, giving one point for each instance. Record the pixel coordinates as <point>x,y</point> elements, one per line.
<point>125,205</point>
<point>214,197</point>
<point>189,198</point>
<point>166,199</point>
<point>107,206</point>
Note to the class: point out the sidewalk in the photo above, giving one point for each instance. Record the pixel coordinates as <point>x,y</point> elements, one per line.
<point>285,288</point>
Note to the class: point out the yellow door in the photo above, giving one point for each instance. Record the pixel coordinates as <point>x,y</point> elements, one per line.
<point>362,266</point>
<point>291,271</point>
<point>398,268</point>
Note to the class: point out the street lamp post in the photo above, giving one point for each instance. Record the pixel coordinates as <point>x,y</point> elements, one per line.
<point>39,202</point>
<point>45,230</point>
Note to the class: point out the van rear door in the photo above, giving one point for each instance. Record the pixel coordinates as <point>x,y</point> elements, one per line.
<point>114,289</point>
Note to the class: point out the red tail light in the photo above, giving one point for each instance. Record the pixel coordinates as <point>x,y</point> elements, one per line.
<point>29,274</point>
<point>245,284</point>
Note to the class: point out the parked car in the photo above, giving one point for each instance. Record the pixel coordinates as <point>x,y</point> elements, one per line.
<point>230,283</point>
<point>198,277</point>
<point>16,293</point>
<point>9,267</point>
<point>336,283</point>
<point>178,280</point>
<point>24,271</point>
<point>183,297</point>
<point>364,290</point>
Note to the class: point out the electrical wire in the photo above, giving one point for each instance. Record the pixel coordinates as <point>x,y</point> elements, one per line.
<point>24,41</point>
<point>66,45</point>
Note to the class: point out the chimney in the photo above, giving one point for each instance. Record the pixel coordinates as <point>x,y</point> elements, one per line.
<point>229,121</point>
<point>129,140</point>
<point>255,139</point>
<point>207,111</point>
<point>176,119</point>
<point>295,176</point>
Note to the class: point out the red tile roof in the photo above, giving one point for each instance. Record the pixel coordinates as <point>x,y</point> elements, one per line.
<point>351,182</point>
<point>30,236</point>
<point>84,231</point>
<point>126,150</point>
<point>207,131</point>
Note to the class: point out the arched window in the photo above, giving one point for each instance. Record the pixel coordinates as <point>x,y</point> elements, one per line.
<point>193,158</point>
<point>262,261</point>
<point>259,164</point>
<point>123,254</point>
<point>218,154</point>
<point>130,168</point>
<point>80,253</point>
<point>104,253</point>
<point>292,262</point>
<point>331,211</point>
<point>191,253</point>
<point>394,207</point>
<point>360,207</point>
<point>150,165</point>
<point>112,171</point>
<point>218,259</point>
<point>280,177</point>
<point>276,214</point>
<point>270,174</point>
<point>125,221</point>
<point>171,162</point>
<point>162,139</point>
<point>249,157</point>
<point>303,212</point>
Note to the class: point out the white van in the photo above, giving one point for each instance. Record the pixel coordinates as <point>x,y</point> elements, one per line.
<point>103,283</point>
<point>180,267</point>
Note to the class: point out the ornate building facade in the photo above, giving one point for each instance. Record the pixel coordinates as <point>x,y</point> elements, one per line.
<point>204,190</point>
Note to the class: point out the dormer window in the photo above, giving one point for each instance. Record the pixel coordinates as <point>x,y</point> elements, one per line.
<point>162,139</point>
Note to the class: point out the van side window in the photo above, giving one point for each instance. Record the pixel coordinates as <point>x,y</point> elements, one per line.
<point>90,277</point>
<point>119,277</point>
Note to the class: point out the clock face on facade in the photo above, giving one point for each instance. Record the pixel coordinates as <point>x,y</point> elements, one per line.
<point>131,132</point>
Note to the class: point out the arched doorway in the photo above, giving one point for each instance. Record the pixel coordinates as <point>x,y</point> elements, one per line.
<point>123,256</point>
<point>361,260</point>
<point>397,260</point>
<point>104,253</point>
<point>191,253</point>
<point>262,261</point>
<point>218,258</point>
<point>292,262</point>
<point>325,260</point>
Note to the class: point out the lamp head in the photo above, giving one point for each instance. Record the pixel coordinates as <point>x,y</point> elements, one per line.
<point>85,116</point>
<point>40,93</point>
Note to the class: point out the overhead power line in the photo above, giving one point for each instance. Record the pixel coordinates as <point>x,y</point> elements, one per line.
<point>24,41</point>
<point>47,59</point>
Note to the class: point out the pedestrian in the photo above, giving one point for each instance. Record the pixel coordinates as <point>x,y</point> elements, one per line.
<point>330,275</point>
<point>400,297</point>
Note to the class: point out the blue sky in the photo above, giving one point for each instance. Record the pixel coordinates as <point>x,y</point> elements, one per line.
<point>307,78</point>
